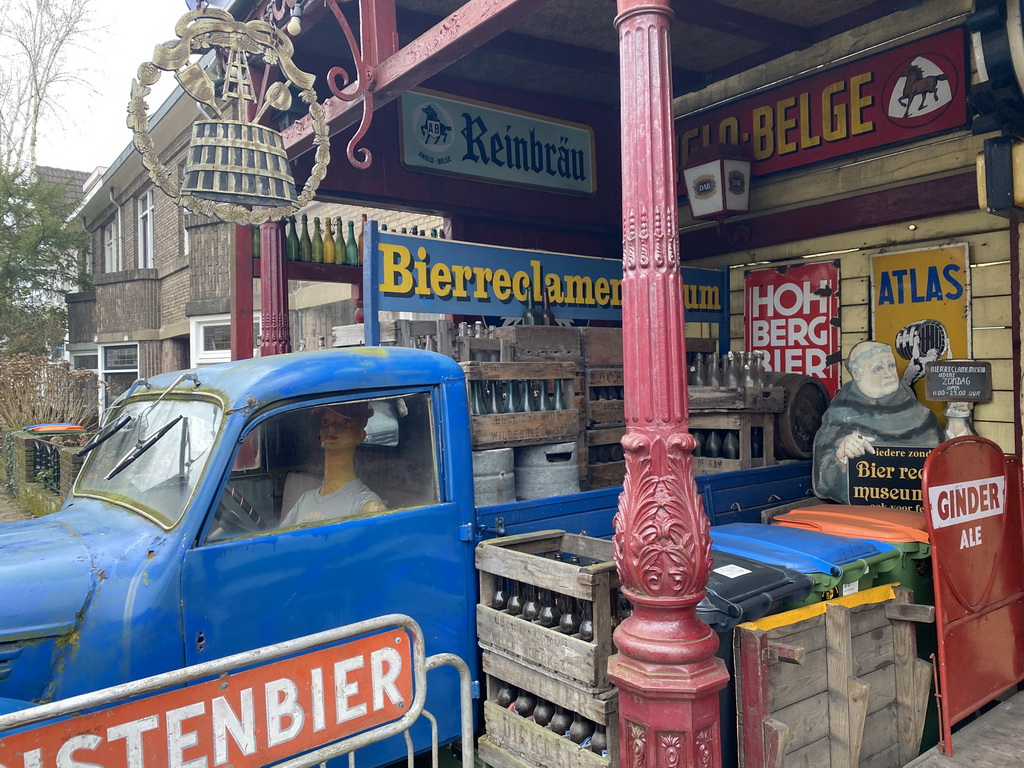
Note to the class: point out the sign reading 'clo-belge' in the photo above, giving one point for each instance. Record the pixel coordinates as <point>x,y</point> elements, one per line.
<point>901,94</point>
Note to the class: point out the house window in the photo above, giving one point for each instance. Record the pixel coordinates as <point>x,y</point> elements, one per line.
<point>211,339</point>
<point>89,360</point>
<point>146,231</point>
<point>119,367</point>
<point>111,248</point>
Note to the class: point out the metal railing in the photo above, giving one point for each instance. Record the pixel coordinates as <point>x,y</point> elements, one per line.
<point>220,669</point>
<point>46,464</point>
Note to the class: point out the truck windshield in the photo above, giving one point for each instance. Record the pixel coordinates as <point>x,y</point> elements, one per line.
<point>156,459</point>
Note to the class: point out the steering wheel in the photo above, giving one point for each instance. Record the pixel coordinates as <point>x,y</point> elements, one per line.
<point>234,509</point>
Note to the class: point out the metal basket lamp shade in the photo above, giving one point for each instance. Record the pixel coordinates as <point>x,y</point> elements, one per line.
<point>238,163</point>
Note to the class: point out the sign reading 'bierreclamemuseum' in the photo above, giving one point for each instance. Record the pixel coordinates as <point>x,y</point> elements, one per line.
<point>461,137</point>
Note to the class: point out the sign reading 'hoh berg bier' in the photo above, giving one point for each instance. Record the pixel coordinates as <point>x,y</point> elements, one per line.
<point>461,137</point>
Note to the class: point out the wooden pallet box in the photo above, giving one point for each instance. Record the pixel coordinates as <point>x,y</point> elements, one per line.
<point>503,430</point>
<point>605,397</point>
<point>534,560</point>
<point>543,342</point>
<point>524,739</point>
<point>601,346</point>
<point>605,466</point>
<point>834,684</point>
<point>744,424</point>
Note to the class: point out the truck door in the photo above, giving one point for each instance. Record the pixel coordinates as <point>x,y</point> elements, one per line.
<point>287,553</point>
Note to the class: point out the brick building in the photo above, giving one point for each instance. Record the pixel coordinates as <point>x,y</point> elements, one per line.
<point>161,275</point>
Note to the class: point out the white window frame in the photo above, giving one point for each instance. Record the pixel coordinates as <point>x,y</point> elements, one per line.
<point>199,357</point>
<point>145,230</point>
<point>104,372</point>
<point>112,247</point>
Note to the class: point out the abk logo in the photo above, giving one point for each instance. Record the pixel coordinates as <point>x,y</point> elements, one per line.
<point>434,127</point>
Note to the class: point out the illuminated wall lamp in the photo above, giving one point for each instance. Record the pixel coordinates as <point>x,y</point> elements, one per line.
<point>718,186</point>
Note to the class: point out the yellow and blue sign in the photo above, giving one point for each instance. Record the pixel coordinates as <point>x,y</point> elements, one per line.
<point>416,274</point>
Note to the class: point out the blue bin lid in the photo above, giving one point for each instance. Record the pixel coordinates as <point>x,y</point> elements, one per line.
<point>801,550</point>
<point>740,589</point>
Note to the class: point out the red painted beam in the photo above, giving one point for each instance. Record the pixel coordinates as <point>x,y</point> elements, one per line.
<point>925,199</point>
<point>461,32</point>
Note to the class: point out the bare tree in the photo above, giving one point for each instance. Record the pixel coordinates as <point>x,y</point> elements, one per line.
<point>39,35</point>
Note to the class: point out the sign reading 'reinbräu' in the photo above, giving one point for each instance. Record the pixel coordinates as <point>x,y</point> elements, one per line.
<point>461,137</point>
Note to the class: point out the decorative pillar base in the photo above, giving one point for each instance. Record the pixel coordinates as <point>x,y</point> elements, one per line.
<point>668,686</point>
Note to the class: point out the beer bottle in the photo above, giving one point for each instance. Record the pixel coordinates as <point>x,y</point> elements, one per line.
<point>305,243</point>
<point>292,241</point>
<point>329,248</point>
<point>317,247</point>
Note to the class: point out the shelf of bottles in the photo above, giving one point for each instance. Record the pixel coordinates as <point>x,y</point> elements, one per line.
<point>530,717</point>
<point>515,404</point>
<point>325,249</point>
<point>605,397</point>
<point>560,574</point>
<point>549,603</point>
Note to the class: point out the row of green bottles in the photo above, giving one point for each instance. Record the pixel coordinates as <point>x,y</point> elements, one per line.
<point>514,397</point>
<point>321,247</point>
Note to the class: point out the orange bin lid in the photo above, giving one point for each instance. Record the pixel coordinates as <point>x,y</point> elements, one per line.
<point>861,522</point>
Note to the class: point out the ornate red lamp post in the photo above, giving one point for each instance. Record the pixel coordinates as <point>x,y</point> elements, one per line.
<point>666,670</point>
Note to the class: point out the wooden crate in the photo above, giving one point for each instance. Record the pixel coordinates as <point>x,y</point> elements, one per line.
<point>528,559</point>
<point>543,343</point>
<point>502,430</point>
<point>741,422</point>
<point>602,473</point>
<point>602,346</point>
<point>758,399</point>
<point>839,685</point>
<point>525,739</point>
<point>604,393</point>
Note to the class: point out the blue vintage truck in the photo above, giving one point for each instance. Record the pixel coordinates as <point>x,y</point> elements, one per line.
<point>170,550</point>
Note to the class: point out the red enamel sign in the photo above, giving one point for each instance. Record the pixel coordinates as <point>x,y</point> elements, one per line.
<point>246,719</point>
<point>898,95</point>
<point>972,496</point>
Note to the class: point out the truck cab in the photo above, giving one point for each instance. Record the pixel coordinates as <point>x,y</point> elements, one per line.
<point>173,547</point>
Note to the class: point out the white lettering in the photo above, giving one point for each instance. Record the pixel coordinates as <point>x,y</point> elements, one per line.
<point>317,691</point>
<point>178,741</point>
<point>384,682</point>
<point>242,729</point>
<point>132,734</point>
<point>282,702</point>
<point>65,755</point>
<point>343,690</point>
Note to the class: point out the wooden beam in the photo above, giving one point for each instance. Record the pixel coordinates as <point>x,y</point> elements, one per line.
<point>743,24</point>
<point>459,33</point>
<point>926,199</point>
<point>415,23</point>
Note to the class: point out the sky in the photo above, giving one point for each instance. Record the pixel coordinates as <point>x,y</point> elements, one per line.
<point>92,131</point>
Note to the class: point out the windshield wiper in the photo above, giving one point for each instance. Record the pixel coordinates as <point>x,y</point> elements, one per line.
<point>142,446</point>
<point>105,434</point>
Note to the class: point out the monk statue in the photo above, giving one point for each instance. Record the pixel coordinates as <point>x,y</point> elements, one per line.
<point>874,408</point>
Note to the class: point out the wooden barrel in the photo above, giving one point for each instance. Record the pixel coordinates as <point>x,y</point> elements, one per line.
<point>796,425</point>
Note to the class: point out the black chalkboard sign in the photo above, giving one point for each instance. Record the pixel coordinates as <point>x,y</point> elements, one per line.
<point>968,381</point>
<point>889,477</point>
